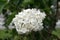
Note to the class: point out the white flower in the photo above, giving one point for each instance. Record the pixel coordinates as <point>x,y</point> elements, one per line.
<point>29,20</point>
<point>52,6</point>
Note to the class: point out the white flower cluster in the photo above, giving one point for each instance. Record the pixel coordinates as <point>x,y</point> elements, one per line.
<point>29,20</point>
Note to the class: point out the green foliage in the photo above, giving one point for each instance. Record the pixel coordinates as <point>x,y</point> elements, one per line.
<point>9,19</point>
<point>27,4</point>
<point>57,32</point>
<point>12,35</point>
<point>2,4</point>
<point>4,35</point>
<point>16,6</point>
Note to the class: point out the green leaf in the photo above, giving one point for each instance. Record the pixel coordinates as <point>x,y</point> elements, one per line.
<point>9,19</point>
<point>14,5</point>
<point>2,4</point>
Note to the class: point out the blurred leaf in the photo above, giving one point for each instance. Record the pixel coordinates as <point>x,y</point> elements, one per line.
<point>27,3</point>
<point>9,19</point>
<point>2,4</point>
<point>14,5</point>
